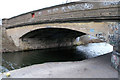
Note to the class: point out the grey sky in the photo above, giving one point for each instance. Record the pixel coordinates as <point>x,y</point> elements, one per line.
<point>10,8</point>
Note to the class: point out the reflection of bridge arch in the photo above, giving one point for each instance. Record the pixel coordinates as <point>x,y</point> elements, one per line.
<point>49,37</point>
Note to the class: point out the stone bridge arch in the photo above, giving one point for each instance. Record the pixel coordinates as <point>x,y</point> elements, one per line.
<point>97,29</point>
<point>22,33</point>
<point>49,38</point>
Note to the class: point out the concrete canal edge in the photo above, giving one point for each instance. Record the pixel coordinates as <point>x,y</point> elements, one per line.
<point>99,67</point>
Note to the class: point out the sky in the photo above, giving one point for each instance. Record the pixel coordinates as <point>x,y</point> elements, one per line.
<point>10,8</point>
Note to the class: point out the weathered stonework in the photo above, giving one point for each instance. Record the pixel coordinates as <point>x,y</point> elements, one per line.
<point>116,53</point>
<point>67,12</point>
<point>72,16</point>
<point>7,43</point>
<point>102,30</point>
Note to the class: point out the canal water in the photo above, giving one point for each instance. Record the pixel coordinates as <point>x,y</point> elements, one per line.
<point>18,60</point>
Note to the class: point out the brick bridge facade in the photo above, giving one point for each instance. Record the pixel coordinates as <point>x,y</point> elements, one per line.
<point>37,29</point>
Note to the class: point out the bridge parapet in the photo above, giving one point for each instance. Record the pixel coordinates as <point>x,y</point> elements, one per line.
<point>67,12</point>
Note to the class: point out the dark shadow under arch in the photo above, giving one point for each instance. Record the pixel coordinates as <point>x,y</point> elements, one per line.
<point>50,37</point>
<point>48,32</point>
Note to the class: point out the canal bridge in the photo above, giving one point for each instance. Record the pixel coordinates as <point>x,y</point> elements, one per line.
<point>60,25</point>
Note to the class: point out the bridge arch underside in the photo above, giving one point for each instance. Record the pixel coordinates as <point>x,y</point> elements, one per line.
<point>49,38</point>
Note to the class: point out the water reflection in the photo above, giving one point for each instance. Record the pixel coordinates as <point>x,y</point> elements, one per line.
<point>18,60</point>
<point>21,59</point>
